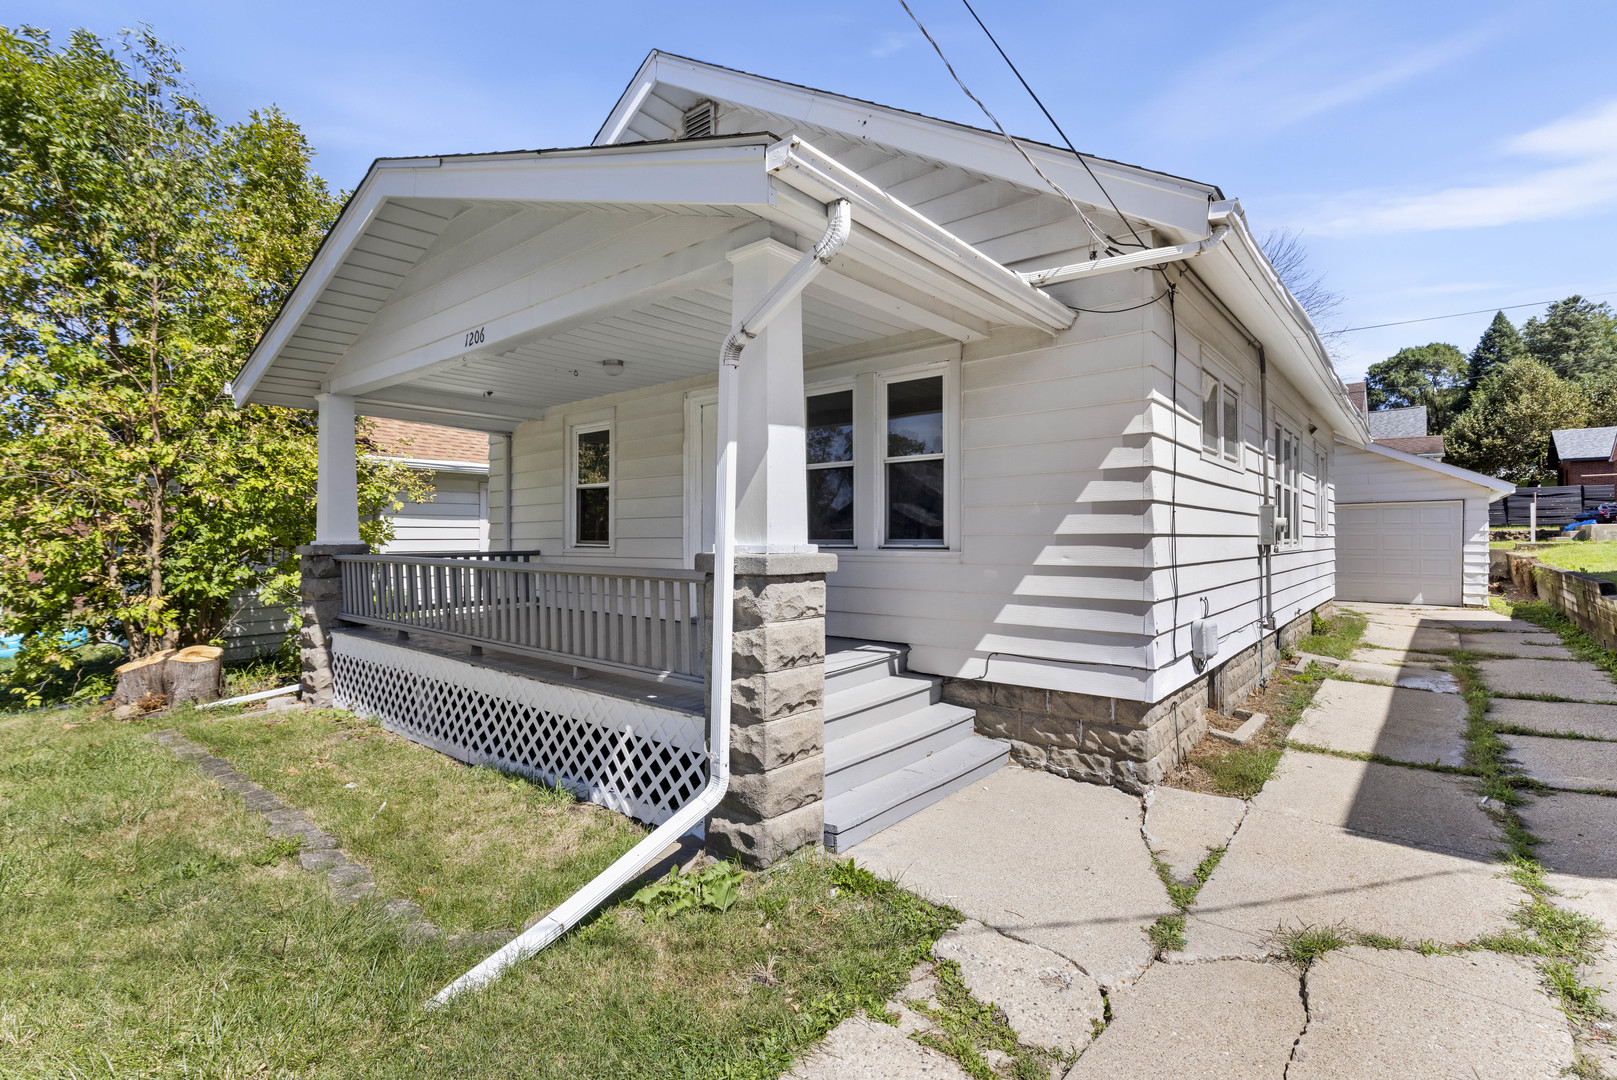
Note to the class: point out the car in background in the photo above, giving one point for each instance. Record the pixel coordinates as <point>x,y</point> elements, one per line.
<point>1606,513</point>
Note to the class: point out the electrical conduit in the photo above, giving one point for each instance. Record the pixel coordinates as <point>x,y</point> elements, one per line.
<point>643,854</point>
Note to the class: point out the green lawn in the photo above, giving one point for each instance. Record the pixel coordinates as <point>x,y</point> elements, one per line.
<point>1594,557</point>
<point>148,927</point>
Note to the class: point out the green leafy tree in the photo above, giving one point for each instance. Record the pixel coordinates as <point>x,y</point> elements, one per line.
<point>1506,431</point>
<point>143,248</point>
<point>1576,337</point>
<point>1430,375</point>
<point>1601,391</point>
<point>1500,344</point>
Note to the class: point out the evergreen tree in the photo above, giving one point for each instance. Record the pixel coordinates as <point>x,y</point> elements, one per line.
<point>1506,431</point>
<point>1501,343</point>
<point>1575,337</point>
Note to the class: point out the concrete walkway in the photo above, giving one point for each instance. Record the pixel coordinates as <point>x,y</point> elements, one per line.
<point>1357,835</point>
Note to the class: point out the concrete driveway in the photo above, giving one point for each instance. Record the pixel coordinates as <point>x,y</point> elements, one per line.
<point>1370,834</point>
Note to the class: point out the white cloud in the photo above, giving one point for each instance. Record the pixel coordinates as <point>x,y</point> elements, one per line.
<point>1576,173</point>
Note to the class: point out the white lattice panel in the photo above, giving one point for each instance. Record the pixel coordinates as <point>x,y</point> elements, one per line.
<point>635,758</point>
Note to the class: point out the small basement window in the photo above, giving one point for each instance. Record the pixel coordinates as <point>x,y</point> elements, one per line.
<point>700,121</point>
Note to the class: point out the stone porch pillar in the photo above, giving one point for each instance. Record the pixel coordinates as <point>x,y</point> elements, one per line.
<point>776,800</point>
<point>319,601</point>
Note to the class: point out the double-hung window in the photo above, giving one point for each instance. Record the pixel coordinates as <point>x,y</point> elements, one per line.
<point>912,463</point>
<point>1221,419</point>
<point>592,485</point>
<point>1288,493</point>
<point>830,468</point>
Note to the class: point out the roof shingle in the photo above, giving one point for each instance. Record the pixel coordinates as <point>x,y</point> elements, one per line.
<point>1585,444</point>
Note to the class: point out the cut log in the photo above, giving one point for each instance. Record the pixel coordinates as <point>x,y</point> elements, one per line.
<point>194,674</point>
<point>141,678</point>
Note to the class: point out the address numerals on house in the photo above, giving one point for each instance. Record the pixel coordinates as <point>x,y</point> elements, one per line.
<point>474,337</point>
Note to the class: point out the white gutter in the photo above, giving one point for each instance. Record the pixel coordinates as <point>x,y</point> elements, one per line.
<point>1217,216</point>
<point>643,854</point>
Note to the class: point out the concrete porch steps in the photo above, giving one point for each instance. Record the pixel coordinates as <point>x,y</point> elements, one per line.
<point>892,746</point>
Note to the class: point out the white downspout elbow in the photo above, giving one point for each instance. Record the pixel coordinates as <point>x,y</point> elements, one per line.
<point>643,854</point>
<point>1217,218</point>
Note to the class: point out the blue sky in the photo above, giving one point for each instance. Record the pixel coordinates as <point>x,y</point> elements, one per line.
<point>1437,157</point>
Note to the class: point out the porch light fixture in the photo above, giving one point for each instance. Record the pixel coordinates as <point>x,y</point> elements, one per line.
<point>613,367</point>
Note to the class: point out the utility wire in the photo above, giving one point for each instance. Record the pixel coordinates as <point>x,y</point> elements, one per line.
<point>1099,238</point>
<point>1081,159</point>
<point>1458,314</point>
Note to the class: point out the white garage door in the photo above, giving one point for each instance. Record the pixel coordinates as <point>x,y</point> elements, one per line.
<point>1400,553</point>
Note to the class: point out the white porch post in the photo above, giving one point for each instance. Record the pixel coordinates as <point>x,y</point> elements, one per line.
<point>336,506</point>
<point>771,484</point>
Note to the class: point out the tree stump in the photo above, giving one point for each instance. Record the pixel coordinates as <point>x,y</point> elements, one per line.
<point>140,679</point>
<point>194,674</point>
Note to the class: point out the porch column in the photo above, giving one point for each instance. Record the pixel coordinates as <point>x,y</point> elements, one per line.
<point>775,803</point>
<point>336,500</point>
<point>336,530</point>
<point>771,484</point>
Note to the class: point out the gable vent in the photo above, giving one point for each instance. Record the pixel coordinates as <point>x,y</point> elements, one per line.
<point>699,121</point>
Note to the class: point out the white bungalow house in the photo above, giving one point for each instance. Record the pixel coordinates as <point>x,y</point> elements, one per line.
<point>1010,480</point>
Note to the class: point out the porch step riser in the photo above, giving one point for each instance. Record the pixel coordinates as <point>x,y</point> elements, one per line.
<point>889,761</point>
<point>850,664</point>
<point>865,811</point>
<point>909,694</point>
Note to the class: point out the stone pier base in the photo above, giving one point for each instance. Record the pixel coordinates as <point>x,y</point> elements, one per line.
<point>776,800</point>
<point>319,601</point>
<point>1103,740</point>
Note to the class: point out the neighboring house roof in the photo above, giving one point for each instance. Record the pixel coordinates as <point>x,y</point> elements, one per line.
<point>1585,444</point>
<point>1406,423</point>
<point>1500,488</point>
<point>429,444</point>
<point>1419,445</point>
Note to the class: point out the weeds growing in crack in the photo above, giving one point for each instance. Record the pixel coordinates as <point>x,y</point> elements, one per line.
<point>969,1029</point>
<point>1305,944</point>
<point>1377,941</point>
<point>1168,932</point>
<point>1379,759</point>
<point>1485,754</point>
<point>1539,733</point>
<point>1583,646</point>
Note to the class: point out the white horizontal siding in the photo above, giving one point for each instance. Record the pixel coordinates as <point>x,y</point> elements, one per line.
<point>256,629</point>
<point>1365,477</point>
<point>452,520</point>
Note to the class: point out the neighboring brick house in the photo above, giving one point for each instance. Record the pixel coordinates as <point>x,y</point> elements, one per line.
<point>1401,429</point>
<point>1586,455</point>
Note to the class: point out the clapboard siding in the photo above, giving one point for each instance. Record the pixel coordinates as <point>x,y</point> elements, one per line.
<point>256,630</point>
<point>1364,477</point>
<point>453,520</point>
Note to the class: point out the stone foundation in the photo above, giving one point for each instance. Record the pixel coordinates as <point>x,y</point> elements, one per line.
<point>1131,745</point>
<point>775,802</point>
<point>319,601</point>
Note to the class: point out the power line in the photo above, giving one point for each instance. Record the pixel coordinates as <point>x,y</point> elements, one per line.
<point>1081,159</point>
<point>1094,233</point>
<point>1458,314</point>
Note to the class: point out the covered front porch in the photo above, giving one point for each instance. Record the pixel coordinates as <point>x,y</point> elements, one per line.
<point>575,305</point>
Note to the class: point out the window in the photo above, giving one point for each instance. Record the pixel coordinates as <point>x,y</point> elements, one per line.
<point>912,462</point>
<point>1322,497</point>
<point>1288,495</point>
<point>830,468</point>
<point>1221,419</point>
<point>592,486</point>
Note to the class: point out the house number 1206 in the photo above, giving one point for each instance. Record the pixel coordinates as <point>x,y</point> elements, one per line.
<point>474,337</point>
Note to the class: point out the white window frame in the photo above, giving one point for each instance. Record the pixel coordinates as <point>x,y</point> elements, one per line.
<point>842,386</point>
<point>1223,452</point>
<point>1288,492</point>
<point>949,456</point>
<point>588,425</point>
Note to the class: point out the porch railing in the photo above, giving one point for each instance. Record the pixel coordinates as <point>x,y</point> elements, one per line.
<point>647,623</point>
<point>480,556</point>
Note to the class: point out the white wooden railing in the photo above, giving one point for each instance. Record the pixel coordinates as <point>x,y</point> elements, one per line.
<point>648,623</point>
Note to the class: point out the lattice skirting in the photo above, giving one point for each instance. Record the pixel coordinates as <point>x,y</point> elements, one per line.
<point>631,757</point>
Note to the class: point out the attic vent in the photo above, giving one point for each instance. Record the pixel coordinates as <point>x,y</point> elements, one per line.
<point>699,120</point>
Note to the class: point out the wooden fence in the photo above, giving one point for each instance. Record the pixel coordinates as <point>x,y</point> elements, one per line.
<point>1556,505</point>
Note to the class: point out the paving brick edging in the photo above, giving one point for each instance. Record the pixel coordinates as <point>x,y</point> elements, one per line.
<point>348,881</point>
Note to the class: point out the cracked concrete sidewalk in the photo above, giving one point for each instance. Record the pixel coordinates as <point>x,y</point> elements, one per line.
<point>1333,841</point>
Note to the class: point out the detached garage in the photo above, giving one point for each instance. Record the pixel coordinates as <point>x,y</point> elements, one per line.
<point>1410,530</point>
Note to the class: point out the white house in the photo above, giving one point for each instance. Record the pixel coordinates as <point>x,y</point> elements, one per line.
<point>1013,474</point>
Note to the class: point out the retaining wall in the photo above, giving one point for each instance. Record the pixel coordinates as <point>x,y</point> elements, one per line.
<point>1589,602</point>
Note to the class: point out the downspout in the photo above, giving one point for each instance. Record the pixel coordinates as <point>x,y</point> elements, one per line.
<point>643,854</point>
<point>1217,216</point>
<point>1266,614</point>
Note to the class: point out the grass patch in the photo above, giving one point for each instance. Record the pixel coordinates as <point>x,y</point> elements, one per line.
<point>1335,637</point>
<point>1167,934</point>
<point>148,927</point>
<point>1378,941</point>
<point>1217,767</point>
<point>1583,646</point>
<point>1595,557</point>
<point>968,1029</point>
<point>1305,944</point>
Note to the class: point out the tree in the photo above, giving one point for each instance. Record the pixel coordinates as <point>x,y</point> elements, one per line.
<point>1506,431</point>
<point>1430,375</point>
<point>143,248</point>
<point>1500,344</point>
<point>1574,338</point>
<point>1601,392</point>
<point>1288,256</point>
